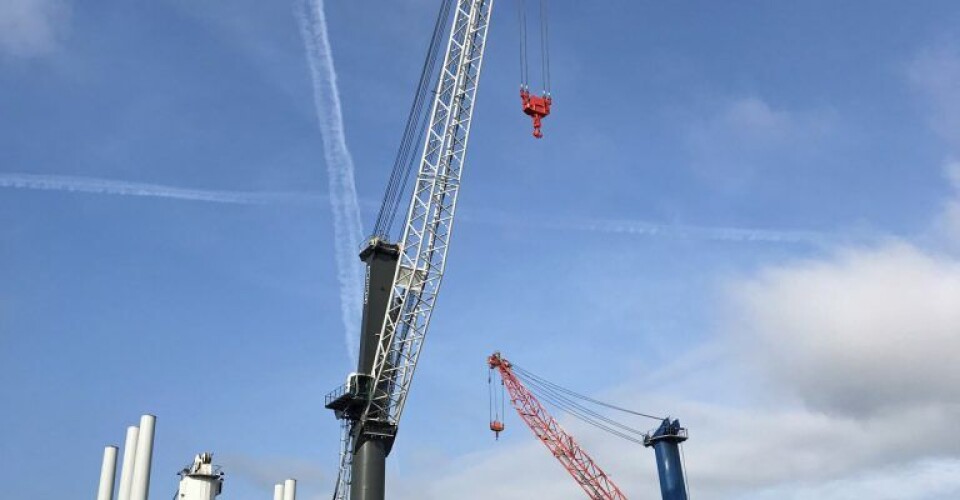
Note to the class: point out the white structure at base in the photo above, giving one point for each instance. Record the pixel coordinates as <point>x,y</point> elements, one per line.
<point>286,490</point>
<point>200,481</point>
<point>129,455</point>
<point>290,489</point>
<point>144,456</point>
<point>108,473</point>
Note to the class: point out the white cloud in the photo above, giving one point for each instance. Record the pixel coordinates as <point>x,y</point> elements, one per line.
<point>936,74</point>
<point>928,479</point>
<point>32,27</point>
<point>863,332</point>
<point>733,453</point>
<point>949,221</point>
<point>748,135</point>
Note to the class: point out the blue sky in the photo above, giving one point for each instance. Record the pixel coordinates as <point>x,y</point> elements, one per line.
<point>745,215</point>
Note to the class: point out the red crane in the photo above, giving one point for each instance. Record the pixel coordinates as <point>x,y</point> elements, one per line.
<point>584,470</point>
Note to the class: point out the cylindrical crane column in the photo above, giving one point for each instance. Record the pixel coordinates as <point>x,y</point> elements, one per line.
<point>369,469</point>
<point>666,445</point>
<point>129,458</point>
<point>144,457</point>
<point>290,489</point>
<point>108,473</point>
<point>278,491</point>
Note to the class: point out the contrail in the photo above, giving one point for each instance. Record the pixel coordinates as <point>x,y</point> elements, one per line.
<point>609,226</point>
<point>123,188</point>
<point>651,229</point>
<point>347,229</point>
<point>733,234</point>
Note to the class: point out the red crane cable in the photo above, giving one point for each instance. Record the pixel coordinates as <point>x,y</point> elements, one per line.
<point>596,483</point>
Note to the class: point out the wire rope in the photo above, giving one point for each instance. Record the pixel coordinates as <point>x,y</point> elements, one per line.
<point>413,131</point>
<point>544,48</point>
<point>686,480</point>
<point>529,374</point>
<point>590,421</point>
<point>587,411</point>
<point>524,71</point>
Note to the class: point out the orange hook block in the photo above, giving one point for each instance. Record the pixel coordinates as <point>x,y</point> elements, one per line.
<point>497,427</point>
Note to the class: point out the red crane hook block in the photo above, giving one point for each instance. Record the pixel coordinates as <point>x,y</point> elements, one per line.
<point>536,107</point>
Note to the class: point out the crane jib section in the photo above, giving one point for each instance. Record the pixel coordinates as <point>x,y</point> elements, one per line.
<point>584,470</point>
<point>429,222</point>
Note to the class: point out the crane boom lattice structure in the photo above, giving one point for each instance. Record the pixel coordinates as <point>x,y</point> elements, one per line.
<point>403,278</point>
<point>426,235</point>
<point>596,483</point>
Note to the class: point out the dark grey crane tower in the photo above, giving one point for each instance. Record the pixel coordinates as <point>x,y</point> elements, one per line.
<point>403,278</point>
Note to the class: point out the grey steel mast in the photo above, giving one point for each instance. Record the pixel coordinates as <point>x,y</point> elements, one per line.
<point>403,278</point>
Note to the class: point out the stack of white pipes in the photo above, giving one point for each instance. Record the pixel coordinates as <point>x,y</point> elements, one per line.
<point>286,490</point>
<point>137,457</point>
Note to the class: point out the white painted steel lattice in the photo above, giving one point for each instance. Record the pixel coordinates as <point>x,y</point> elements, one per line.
<point>426,234</point>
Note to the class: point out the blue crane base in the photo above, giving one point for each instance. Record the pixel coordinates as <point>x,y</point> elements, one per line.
<point>665,442</point>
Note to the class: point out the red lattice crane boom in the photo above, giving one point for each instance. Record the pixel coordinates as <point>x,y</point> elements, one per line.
<point>578,463</point>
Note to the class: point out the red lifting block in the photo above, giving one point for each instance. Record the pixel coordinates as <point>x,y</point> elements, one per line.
<point>536,107</point>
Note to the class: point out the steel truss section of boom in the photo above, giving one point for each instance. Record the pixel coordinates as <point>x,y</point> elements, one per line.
<point>426,234</point>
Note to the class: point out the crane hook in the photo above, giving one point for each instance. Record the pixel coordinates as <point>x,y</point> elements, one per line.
<point>536,107</point>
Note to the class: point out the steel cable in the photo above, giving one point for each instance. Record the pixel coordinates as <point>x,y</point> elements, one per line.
<point>544,48</point>
<point>529,374</point>
<point>588,420</point>
<point>557,396</point>
<point>413,131</point>
<point>524,72</point>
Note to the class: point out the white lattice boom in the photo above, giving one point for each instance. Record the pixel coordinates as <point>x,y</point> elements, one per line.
<point>426,234</point>
<point>427,229</point>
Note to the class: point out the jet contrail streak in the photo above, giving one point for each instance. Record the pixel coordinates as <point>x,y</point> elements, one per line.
<point>115,187</point>
<point>95,185</point>
<point>652,229</point>
<point>733,234</point>
<point>347,229</point>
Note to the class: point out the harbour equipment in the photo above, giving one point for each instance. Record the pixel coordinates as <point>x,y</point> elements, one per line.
<point>201,480</point>
<point>403,275</point>
<point>597,484</point>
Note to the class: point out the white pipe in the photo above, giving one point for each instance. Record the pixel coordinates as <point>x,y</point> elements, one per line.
<point>290,489</point>
<point>129,456</point>
<point>278,492</point>
<point>108,473</point>
<point>141,467</point>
